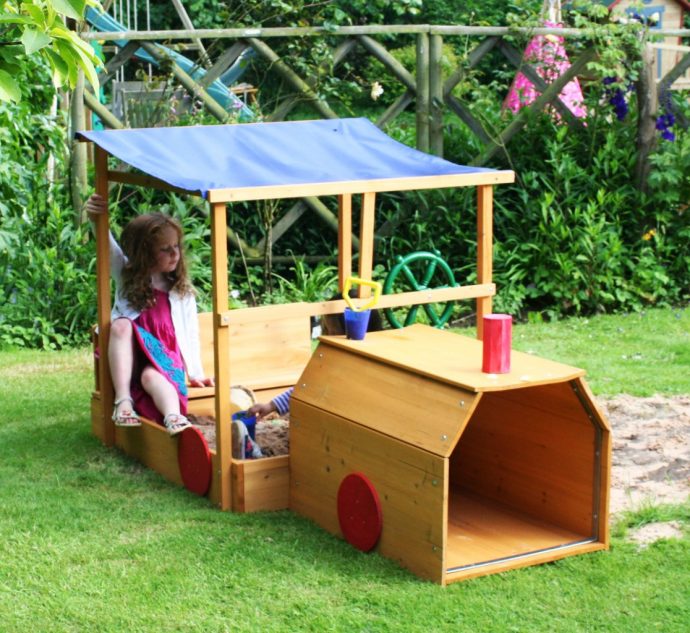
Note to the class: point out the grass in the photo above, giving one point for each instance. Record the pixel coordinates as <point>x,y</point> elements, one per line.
<point>90,541</point>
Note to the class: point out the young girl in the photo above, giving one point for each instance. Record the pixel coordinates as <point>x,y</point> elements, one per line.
<point>154,336</point>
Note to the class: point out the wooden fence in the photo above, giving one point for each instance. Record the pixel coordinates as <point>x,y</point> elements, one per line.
<point>431,96</point>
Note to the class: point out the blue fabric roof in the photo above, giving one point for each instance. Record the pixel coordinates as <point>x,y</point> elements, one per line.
<point>203,158</point>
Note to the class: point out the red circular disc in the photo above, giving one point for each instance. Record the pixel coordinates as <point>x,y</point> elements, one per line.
<point>194,460</point>
<point>359,512</point>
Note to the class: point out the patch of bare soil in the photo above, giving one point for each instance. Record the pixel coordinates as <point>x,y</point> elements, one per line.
<point>651,450</point>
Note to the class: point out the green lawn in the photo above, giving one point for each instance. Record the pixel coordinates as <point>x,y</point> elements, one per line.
<point>90,541</point>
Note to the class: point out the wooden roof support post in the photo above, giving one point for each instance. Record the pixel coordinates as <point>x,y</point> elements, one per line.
<point>485,199</point>
<point>366,241</point>
<point>221,342</point>
<point>103,295</point>
<point>344,239</point>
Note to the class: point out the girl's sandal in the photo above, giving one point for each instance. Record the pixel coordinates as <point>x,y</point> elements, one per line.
<point>128,418</point>
<point>176,423</point>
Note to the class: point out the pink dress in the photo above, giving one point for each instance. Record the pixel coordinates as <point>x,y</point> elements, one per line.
<point>155,344</point>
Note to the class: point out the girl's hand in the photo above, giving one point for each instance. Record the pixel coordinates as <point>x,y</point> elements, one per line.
<point>202,382</point>
<point>95,205</point>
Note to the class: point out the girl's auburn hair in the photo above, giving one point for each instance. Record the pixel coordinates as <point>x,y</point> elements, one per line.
<point>139,242</point>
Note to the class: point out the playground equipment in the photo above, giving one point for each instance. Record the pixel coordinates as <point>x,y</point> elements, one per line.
<point>399,401</point>
<point>219,89</point>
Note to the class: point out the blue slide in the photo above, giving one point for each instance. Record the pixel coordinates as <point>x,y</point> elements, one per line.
<point>218,89</point>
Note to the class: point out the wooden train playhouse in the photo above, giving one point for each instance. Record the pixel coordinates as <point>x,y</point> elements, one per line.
<point>497,450</point>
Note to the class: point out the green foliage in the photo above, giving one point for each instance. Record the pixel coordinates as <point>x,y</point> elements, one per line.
<point>306,284</point>
<point>37,27</point>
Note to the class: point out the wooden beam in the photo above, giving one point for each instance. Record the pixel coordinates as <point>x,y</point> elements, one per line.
<point>416,297</point>
<point>366,241</point>
<point>344,239</point>
<point>484,251</point>
<point>221,359</point>
<point>103,295</point>
<point>237,194</point>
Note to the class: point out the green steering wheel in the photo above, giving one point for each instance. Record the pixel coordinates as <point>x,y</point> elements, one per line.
<point>428,263</point>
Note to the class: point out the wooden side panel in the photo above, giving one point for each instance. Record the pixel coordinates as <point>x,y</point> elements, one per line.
<point>412,408</point>
<point>263,354</point>
<point>152,446</point>
<point>97,420</point>
<point>410,482</point>
<point>533,450</point>
<point>261,484</point>
<point>603,474</point>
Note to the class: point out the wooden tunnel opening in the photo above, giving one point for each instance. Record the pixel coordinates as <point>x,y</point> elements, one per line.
<point>523,478</point>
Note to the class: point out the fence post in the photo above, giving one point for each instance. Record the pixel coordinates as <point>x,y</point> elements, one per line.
<point>78,154</point>
<point>436,95</point>
<point>423,92</point>
<point>646,124</point>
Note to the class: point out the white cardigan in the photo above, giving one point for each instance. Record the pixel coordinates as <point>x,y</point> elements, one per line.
<point>182,309</point>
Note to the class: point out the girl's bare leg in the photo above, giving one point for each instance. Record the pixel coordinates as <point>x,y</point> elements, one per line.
<point>164,395</point>
<point>121,359</point>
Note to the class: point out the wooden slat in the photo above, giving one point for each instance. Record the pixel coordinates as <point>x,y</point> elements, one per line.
<point>393,401</point>
<point>238,194</point>
<point>409,482</point>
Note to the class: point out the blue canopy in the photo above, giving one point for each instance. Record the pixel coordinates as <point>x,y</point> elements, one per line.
<point>296,156</point>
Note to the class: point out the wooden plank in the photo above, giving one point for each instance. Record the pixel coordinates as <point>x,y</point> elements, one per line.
<point>143,180</point>
<point>97,418</point>
<point>484,251</point>
<point>398,403</point>
<point>366,242</point>
<point>484,537</point>
<point>292,310</point>
<point>299,190</point>
<point>151,445</point>
<point>344,239</point>
<point>221,347</point>
<point>532,450</point>
<point>451,358</point>
<point>410,484</point>
<point>261,484</point>
<point>602,476</point>
<point>262,353</point>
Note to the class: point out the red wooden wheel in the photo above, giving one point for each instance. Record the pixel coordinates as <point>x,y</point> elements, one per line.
<point>359,512</point>
<point>194,460</point>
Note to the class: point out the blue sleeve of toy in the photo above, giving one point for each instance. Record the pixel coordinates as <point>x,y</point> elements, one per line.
<point>282,401</point>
